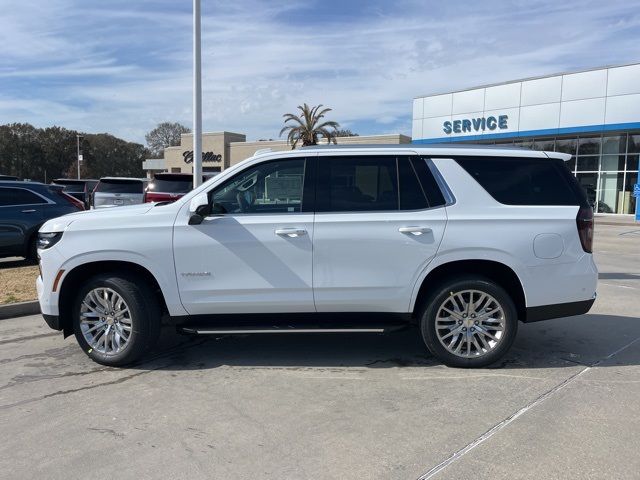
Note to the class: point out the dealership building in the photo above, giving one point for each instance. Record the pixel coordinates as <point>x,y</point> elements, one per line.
<point>220,150</point>
<point>593,115</point>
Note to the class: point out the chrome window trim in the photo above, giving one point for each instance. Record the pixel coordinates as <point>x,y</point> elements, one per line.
<point>449,198</point>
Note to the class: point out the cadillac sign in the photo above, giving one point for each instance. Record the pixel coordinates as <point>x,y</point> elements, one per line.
<point>476,124</point>
<point>206,157</point>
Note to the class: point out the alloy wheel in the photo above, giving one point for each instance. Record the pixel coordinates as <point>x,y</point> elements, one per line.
<point>470,323</point>
<point>105,321</point>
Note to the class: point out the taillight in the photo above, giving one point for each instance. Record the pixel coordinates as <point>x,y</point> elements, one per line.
<point>71,199</point>
<point>584,220</point>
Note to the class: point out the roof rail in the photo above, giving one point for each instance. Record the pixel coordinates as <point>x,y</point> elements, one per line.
<point>262,151</point>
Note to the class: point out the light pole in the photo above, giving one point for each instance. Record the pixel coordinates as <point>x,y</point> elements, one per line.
<point>78,139</point>
<point>197,98</point>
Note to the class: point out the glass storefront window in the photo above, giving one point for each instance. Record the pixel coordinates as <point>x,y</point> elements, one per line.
<point>632,163</point>
<point>566,145</point>
<point>545,144</point>
<point>589,146</point>
<point>571,164</point>
<point>634,144</point>
<point>588,164</point>
<point>589,182</point>
<point>612,162</point>
<point>610,196</point>
<point>523,144</point>
<point>629,199</point>
<point>614,144</point>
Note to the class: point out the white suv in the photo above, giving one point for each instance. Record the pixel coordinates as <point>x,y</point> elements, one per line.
<point>463,242</point>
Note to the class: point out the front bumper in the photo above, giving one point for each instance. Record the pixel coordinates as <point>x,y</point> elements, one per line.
<point>53,321</point>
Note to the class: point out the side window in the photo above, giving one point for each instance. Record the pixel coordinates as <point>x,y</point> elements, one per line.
<point>523,180</point>
<point>357,184</point>
<point>10,197</point>
<point>270,187</point>
<point>412,196</point>
<point>428,182</point>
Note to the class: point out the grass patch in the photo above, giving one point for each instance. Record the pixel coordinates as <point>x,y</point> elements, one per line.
<point>18,284</point>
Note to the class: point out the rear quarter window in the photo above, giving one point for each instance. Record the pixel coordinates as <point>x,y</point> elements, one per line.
<point>524,181</point>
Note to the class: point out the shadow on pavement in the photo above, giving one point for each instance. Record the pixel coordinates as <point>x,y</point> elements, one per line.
<point>567,342</point>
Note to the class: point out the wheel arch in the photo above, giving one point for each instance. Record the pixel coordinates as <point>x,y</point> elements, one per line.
<point>74,279</point>
<point>493,270</point>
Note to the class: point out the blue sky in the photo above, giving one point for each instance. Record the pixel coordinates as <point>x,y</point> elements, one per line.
<point>123,66</point>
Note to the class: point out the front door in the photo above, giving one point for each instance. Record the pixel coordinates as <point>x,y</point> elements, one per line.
<point>379,223</point>
<point>254,254</point>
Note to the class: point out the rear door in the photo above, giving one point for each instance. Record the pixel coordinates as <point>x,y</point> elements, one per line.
<point>379,221</point>
<point>20,215</point>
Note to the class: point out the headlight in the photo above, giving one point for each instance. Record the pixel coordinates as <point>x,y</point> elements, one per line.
<point>48,240</point>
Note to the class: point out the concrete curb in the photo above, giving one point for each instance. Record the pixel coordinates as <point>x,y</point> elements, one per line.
<point>20,309</point>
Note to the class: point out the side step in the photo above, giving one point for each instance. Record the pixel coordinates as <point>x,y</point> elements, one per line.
<point>292,323</point>
<point>274,329</point>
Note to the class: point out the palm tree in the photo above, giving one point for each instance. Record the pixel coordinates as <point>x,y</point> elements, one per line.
<point>307,126</point>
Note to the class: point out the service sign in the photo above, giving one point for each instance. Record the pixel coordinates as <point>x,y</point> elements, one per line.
<point>478,124</point>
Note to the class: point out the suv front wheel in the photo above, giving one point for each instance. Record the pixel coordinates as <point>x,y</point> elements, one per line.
<point>468,322</point>
<point>116,319</point>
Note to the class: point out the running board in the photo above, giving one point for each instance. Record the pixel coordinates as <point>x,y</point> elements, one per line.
<point>261,330</point>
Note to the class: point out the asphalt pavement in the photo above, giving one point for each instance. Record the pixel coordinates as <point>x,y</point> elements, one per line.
<point>564,403</point>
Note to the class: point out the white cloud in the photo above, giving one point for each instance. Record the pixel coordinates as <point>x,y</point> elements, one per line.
<point>122,68</point>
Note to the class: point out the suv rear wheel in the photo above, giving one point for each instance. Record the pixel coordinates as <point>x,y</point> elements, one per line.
<point>116,319</point>
<point>469,322</point>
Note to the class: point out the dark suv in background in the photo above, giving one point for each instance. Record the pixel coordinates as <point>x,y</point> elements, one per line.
<point>80,188</point>
<point>24,207</point>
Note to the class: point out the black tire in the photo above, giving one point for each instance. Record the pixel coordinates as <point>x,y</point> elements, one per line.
<point>431,306</point>
<point>144,311</point>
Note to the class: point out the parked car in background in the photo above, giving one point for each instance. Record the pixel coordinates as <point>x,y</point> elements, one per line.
<point>119,191</point>
<point>168,187</point>
<point>24,207</point>
<point>76,187</point>
<point>89,188</point>
<point>9,177</point>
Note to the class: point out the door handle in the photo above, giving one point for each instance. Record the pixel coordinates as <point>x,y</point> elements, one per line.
<point>290,232</point>
<point>414,230</point>
<point>28,211</point>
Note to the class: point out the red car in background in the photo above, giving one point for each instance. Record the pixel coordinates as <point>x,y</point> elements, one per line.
<point>169,187</point>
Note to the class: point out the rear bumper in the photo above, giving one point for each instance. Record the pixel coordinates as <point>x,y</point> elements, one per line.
<point>547,312</point>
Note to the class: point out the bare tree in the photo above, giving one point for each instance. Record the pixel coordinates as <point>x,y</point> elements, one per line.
<point>166,134</point>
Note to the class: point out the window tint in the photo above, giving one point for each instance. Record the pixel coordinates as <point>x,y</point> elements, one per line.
<point>18,196</point>
<point>120,186</point>
<point>524,181</point>
<point>270,187</point>
<point>412,196</point>
<point>171,184</point>
<point>357,184</point>
<point>429,184</point>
